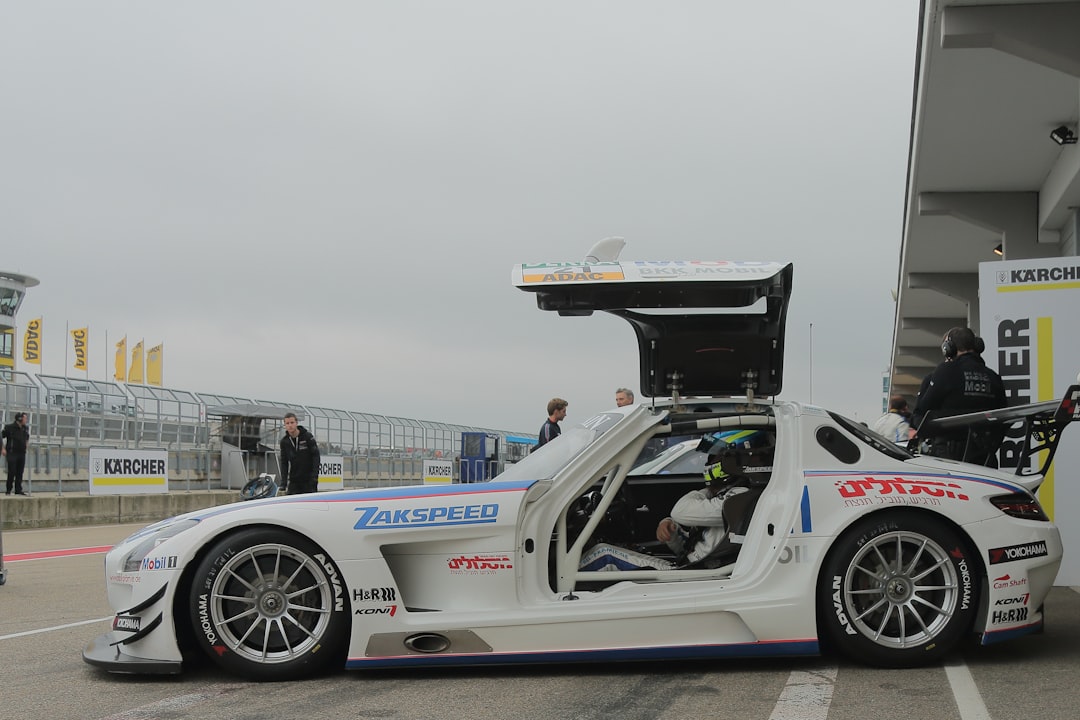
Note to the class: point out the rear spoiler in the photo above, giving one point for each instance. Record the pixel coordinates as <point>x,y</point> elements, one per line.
<point>1040,424</point>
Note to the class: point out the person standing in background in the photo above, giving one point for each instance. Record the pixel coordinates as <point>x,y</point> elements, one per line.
<point>895,425</point>
<point>299,458</point>
<point>624,397</point>
<point>15,440</point>
<point>961,383</point>
<point>550,430</point>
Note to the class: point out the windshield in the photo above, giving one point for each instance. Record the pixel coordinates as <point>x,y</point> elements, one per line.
<point>546,461</point>
<point>872,439</point>
<point>678,458</point>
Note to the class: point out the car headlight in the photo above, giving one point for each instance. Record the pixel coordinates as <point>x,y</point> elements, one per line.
<point>133,560</point>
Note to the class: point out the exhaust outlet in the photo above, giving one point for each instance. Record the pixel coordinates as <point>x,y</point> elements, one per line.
<point>428,643</point>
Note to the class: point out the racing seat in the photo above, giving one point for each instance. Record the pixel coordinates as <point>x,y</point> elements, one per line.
<point>737,510</point>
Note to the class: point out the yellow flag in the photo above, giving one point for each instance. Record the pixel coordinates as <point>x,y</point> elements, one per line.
<point>153,365</point>
<point>135,372</point>
<point>32,342</point>
<point>80,338</point>
<point>121,360</point>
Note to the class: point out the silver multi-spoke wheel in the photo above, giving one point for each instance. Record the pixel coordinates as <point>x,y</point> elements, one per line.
<point>901,589</point>
<point>898,589</point>
<point>271,603</point>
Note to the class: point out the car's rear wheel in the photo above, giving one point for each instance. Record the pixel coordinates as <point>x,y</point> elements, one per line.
<point>269,605</point>
<point>897,590</point>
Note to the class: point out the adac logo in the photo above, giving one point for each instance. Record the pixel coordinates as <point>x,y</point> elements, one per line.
<point>567,272</point>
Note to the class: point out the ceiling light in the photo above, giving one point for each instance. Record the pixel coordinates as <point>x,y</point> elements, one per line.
<point>1000,251</point>
<point>1062,135</point>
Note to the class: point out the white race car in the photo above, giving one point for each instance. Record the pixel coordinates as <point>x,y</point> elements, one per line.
<point>840,538</point>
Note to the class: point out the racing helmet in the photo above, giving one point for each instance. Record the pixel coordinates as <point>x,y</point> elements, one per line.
<point>729,444</point>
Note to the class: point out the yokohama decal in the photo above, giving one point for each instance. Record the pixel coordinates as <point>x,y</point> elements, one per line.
<point>1017,552</point>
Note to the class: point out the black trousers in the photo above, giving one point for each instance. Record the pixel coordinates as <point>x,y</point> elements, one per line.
<point>15,466</point>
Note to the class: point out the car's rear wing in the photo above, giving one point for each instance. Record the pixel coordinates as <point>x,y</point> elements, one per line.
<point>1016,434</point>
<point>704,328</point>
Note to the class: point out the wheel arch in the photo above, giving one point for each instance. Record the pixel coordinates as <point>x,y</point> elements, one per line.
<point>978,567</point>
<point>185,631</point>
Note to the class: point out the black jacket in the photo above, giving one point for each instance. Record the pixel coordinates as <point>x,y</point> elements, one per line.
<point>300,461</point>
<point>16,437</point>
<point>960,386</point>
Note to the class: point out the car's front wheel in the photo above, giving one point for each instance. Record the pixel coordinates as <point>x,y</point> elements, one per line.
<point>269,605</point>
<point>897,590</point>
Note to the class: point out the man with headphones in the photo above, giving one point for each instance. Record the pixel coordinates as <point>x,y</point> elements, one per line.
<point>961,384</point>
<point>16,438</point>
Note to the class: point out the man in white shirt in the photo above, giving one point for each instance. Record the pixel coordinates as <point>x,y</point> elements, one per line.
<point>895,425</point>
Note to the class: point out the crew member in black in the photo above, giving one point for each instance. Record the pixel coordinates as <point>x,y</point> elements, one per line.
<point>16,438</point>
<point>556,409</point>
<point>299,458</point>
<point>961,384</point>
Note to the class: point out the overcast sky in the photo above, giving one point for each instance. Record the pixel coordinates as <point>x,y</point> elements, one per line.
<point>321,202</point>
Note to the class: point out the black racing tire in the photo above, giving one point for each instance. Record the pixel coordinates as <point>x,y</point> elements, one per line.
<point>267,604</point>
<point>898,589</point>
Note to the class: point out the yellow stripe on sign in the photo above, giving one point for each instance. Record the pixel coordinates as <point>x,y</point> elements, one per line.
<point>129,481</point>
<point>1044,390</point>
<point>1042,286</point>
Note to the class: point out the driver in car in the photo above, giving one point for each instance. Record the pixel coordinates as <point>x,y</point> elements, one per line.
<point>696,527</point>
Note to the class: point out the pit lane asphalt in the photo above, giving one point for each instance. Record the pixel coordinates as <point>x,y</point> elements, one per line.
<point>51,607</point>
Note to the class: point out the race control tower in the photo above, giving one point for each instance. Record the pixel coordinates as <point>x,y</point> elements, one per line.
<point>12,291</point>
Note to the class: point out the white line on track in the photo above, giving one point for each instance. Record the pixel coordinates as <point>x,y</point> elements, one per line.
<point>968,699</point>
<point>806,696</point>
<point>55,627</point>
<point>169,706</point>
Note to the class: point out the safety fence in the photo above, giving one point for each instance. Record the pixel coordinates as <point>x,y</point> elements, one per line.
<point>68,416</point>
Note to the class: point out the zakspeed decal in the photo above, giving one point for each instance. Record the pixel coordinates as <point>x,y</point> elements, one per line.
<point>896,491</point>
<point>127,623</point>
<point>339,594</point>
<point>1006,581</point>
<point>841,616</point>
<point>379,594</point>
<point>965,577</point>
<point>1017,552</point>
<point>478,564</point>
<point>374,518</point>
